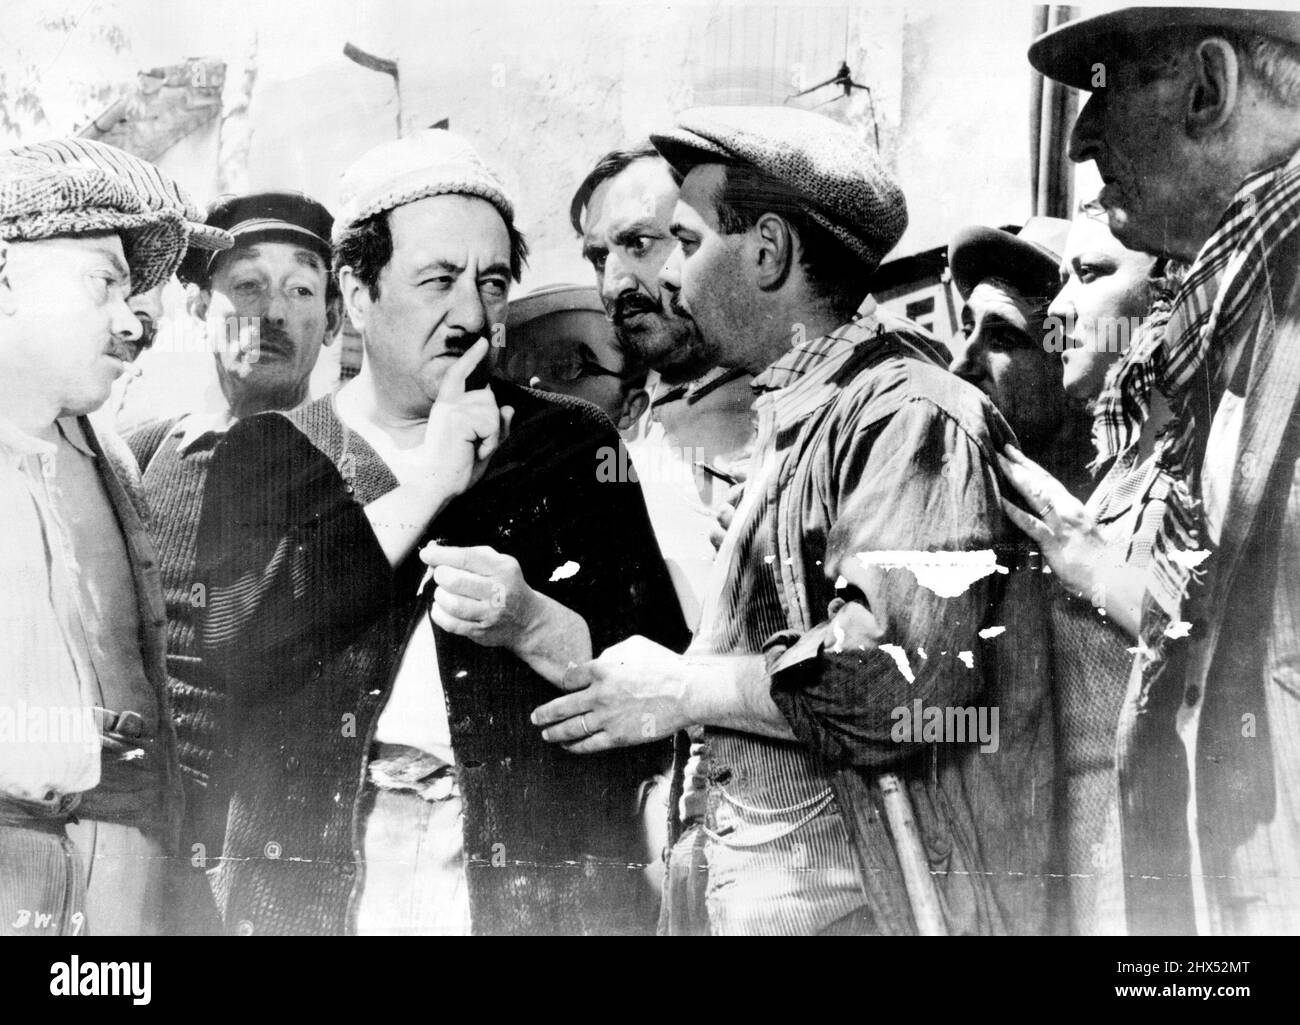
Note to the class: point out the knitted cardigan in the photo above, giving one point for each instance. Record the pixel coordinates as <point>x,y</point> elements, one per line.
<point>174,483</point>
<point>306,623</point>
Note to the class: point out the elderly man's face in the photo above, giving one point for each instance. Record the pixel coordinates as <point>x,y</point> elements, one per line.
<point>1134,131</point>
<point>1005,358</point>
<point>1106,293</point>
<point>627,240</point>
<point>446,285</point>
<point>70,332</point>
<point>278,291</point>
<point>572,352</point>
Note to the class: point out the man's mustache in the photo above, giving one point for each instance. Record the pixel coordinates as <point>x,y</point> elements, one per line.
<point>631,304</point>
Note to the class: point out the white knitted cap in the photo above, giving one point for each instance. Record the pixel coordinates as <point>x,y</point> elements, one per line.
<point>433,162</point>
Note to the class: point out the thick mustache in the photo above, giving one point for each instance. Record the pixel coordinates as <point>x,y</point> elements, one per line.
<point>273,338</point>
<point>632,305</point>
<point>461,344</point>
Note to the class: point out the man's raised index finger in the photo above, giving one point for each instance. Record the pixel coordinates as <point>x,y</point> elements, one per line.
<point>453,381</point>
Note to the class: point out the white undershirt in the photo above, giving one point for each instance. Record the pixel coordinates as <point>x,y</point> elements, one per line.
<point>416,711</point>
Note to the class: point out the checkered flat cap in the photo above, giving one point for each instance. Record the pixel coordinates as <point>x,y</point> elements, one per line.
<point>158,191</point>
<point>838,174</point>
<point>40,201</point>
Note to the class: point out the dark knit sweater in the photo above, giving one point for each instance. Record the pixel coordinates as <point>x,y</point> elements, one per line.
<point>174,485</point>
<point>306,623</point>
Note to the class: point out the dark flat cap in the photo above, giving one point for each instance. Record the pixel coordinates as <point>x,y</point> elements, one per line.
<point>1071,52</point>
<point>839,175</point>
<point>1030,259</point>
<point>40,200</point>
<point>264,217</point>
<point>157,190</point>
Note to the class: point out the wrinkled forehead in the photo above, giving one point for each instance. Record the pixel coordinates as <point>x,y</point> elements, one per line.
<point>279,257</point>
<point>456,230</point>
<point>1008,303</point>
<point>644,191</point>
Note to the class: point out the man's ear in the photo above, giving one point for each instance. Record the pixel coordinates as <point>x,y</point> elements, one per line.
<point>7,304</point>
<point>774,245</point>
<point>1215,83</point>
<point>356,297</point>
<point>333,318</point>
<point>634,407</point>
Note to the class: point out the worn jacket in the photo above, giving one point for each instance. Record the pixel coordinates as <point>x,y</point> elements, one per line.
<point>306,623</point>
<point>891,453</point>
<point>1223,701</point>
<point>145,793</point>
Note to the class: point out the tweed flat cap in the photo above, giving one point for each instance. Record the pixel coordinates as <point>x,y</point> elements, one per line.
<point>40,201</point>
<point>283,216</point>
<point>1029,259</point>
<point>1071,52</point>
<point>433,162</point>
<point>847,191</point>
<point>158,191</point>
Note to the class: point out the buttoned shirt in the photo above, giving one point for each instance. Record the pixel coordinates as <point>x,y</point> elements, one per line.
<point>49,741</point>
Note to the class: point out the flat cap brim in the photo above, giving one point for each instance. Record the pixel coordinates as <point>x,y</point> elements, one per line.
<point>837,176</point>
<point>1074,52</point>
<point>979,252</point>
<point>553,299</point>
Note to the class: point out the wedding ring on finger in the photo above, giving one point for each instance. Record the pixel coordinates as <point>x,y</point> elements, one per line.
<point>582,721</point>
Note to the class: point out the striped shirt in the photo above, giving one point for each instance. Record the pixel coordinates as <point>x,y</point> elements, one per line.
<point>780,860</point>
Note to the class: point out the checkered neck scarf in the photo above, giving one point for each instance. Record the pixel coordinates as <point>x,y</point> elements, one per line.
<point>1179,339</point>
<point>1190,338</point>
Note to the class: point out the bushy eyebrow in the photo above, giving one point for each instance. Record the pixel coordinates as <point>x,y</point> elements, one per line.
<point>309,259</point>
<point>450,267</point>
<point>635,230</point>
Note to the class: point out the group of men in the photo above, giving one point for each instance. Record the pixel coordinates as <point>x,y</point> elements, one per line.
<point>399,659</point>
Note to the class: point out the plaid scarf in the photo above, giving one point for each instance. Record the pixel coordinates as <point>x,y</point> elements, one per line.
<point>1189,344</point>
<point>1177,341</point>
<point>1125,400</point>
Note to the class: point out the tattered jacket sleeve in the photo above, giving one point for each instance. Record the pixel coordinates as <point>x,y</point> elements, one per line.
<point>917,482</point>
<point>291,567</point>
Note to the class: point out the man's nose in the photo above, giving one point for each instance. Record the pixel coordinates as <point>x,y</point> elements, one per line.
<point>615,280</point>
<point>670,274</point>
<point>969,362</point>
<point>276,307</point>
<point>468,312</point>
<point>126,325</point>
<point>1062,306</point>
<point>1086,136</point>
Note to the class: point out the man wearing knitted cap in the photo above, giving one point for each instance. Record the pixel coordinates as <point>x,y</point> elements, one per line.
<point>814,637</point>
<point>1194,125</point>
<point>385,776</point>
<point>80,605</point>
